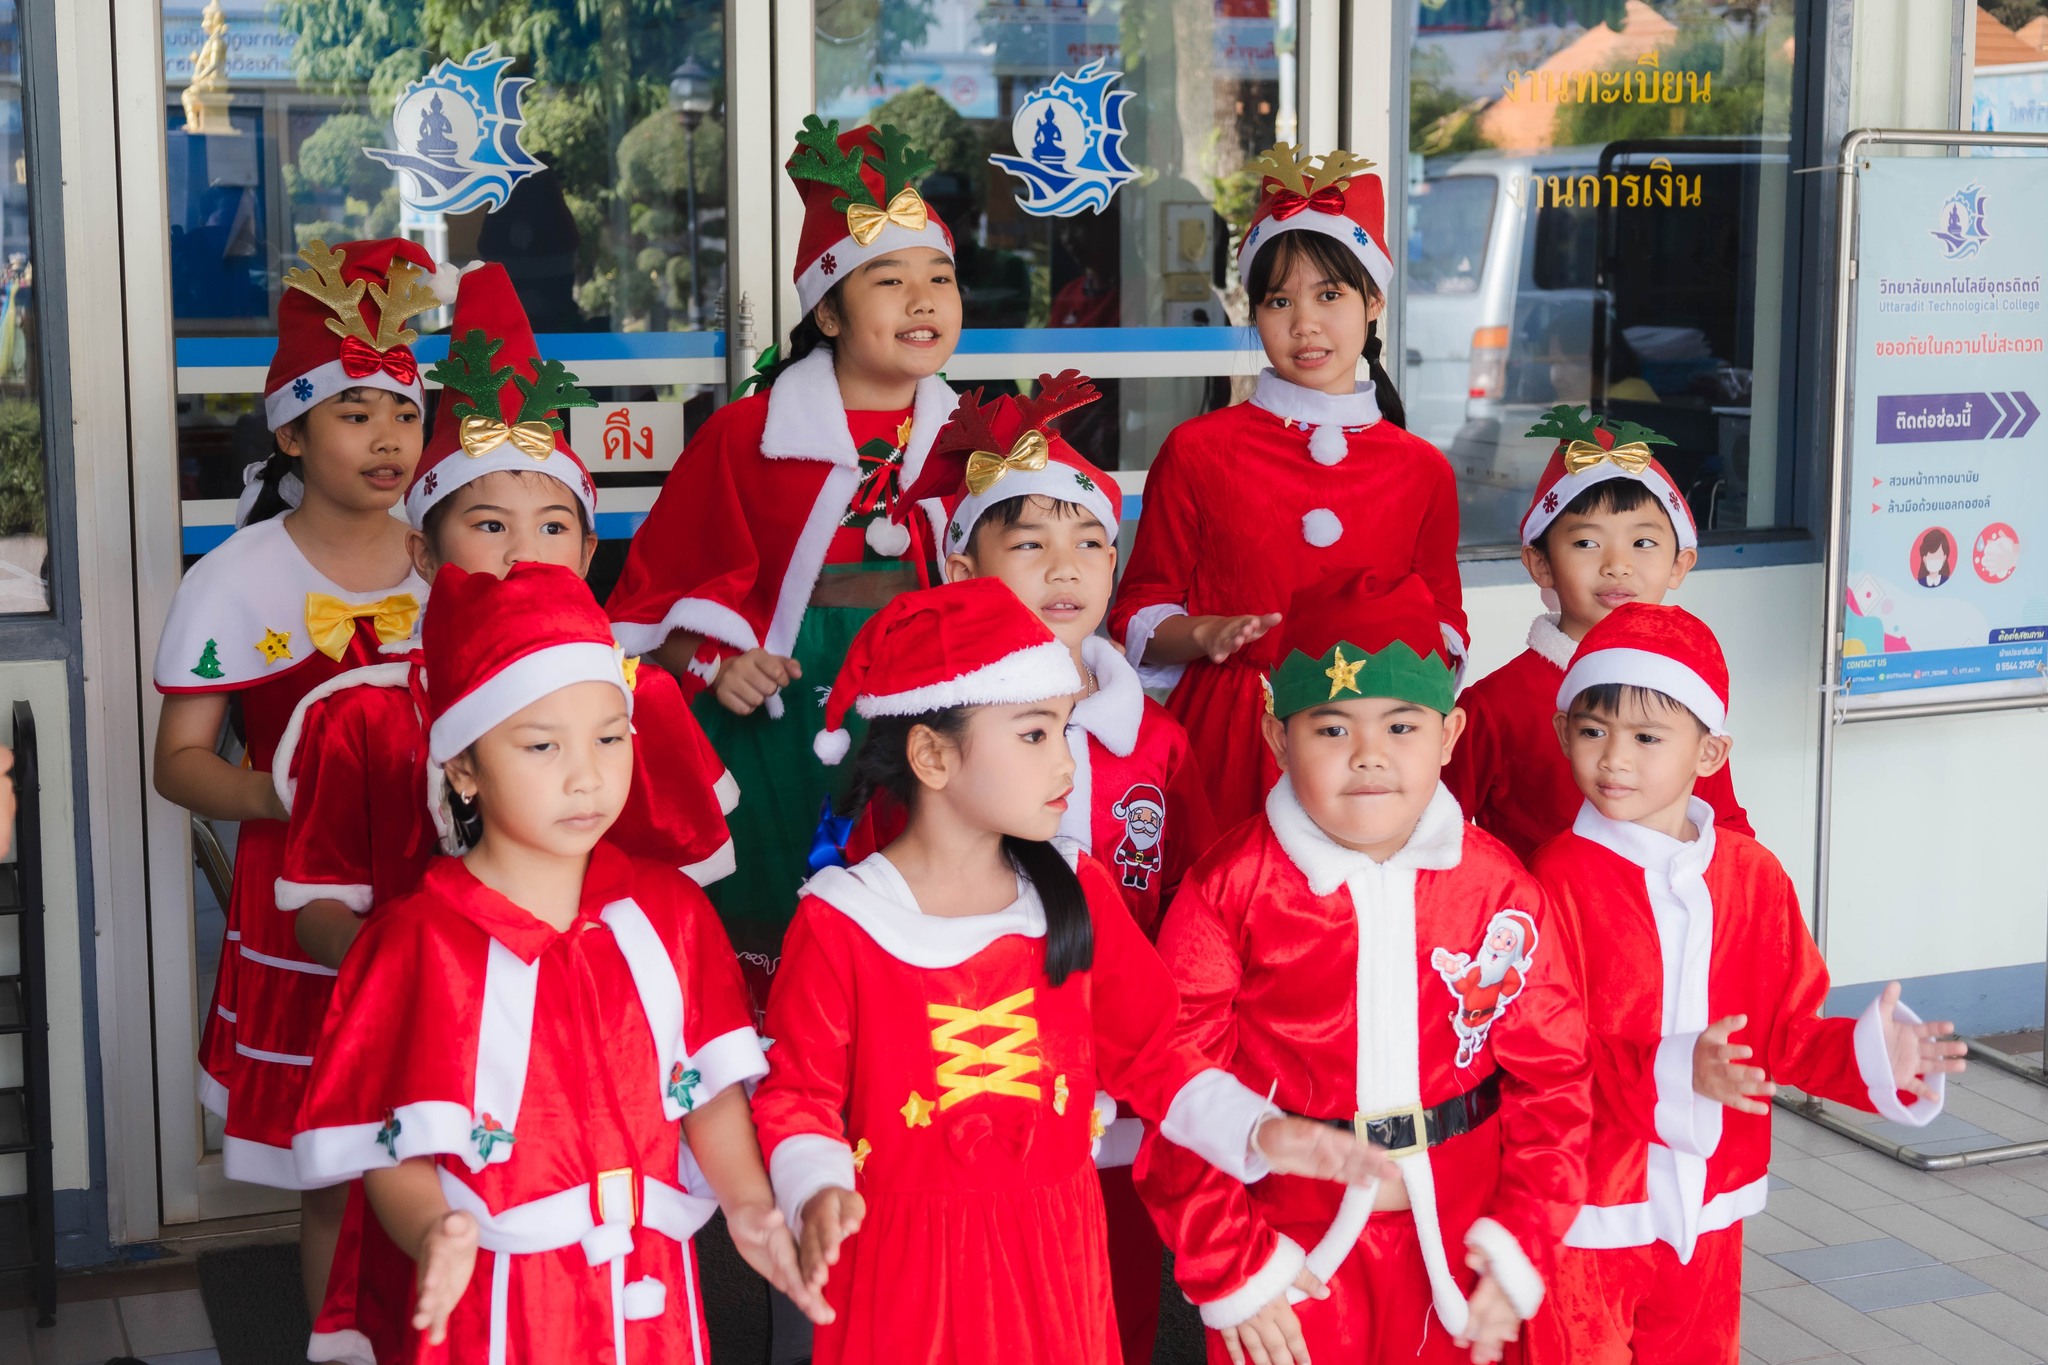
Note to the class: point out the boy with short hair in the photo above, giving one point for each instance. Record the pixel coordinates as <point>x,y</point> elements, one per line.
<point>1607,526</point>
<point>1376,961</point>
<point>1691,938</point>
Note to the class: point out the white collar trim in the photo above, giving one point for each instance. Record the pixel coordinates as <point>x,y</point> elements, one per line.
<point>1314,408</point>
<point>1436,844</point>
<point>1647,848</point>
<point>1113,714</point>
<point>1547,638</point>
<point>873,894</point>
<point>807,417</point>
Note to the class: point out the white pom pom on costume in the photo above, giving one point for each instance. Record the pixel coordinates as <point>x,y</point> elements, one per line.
<point>446,280</point>
<point>1326,444</point>
<point>885,537</point>
<point>1321,528</point>
<point>830,746</point>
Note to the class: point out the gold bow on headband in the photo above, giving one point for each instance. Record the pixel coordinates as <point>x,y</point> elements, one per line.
<point>1580,456</point>
<point>332,622</point>
<point>481,435</point>
<point>985,467</point>
<point>906,210</point>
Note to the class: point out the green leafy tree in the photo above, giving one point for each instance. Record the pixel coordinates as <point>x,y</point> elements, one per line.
<point>1441,119</point>
<point>1751,84</point>
<point>935,128</point>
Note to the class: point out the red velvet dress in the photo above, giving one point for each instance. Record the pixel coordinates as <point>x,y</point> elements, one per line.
<point>240,623</point>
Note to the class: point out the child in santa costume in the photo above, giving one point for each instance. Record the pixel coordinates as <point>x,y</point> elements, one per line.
<point>498,486</point>
<point>774,540</point>
<point>511,1045</point>
<point>1607,527</point>
<point>1703,991</point>
<point>1008,498</point>
<point>1374,961</point>
<point>1314,476</point>
<point>948,1009</point>
<point>279,608</point>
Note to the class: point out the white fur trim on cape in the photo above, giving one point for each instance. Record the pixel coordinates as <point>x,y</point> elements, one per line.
<point>1436,844</point>
<point>873,894</point>
<point>1320,527</point>
<point>259,1163</point>
<point>1138,634</point>
<point>458,470</point>
<point>1645,668</point>
<point>346,1347</point>
<point>252,583</point>
<point>1267,1283</point>
<point>803,1164</point>
<point>1214,1116</point>
<point>1510,1265</point>
<point>1873,1062</point>
<point>1114,711</point>
<point>1547,639</point>
<point>370,675</point>
<point>698,616</point>
<point>1552,501</point>
<point>717,867</point>
<point>327,380</point>
<point>298,895</point>
<point>847,255</point>
<point>1304,407</point>
<point>1337,225</point>
<point>727,789</point>
<point>1036,673</point>
<point>517,686</point>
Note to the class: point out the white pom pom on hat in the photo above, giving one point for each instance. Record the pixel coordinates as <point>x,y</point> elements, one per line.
<point>830,746</point>
<point>1321,528</point>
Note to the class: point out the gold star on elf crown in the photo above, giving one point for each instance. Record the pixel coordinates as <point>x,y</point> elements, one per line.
<point>1343,676</point>
<point>275,645</point>
<point>917,1111</point>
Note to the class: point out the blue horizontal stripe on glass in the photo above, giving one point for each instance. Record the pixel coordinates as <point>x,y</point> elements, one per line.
<point>567,347</point>
<point>610,526</point>
<point>1105,340</point>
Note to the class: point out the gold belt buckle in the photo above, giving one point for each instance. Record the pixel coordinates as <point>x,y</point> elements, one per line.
<point>611,1180</point>
<point>1412,1112</point>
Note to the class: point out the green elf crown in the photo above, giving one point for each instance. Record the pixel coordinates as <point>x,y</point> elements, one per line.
<point>1348,672</point>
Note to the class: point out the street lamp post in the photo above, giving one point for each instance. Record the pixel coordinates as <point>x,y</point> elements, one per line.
<point>689,99</point>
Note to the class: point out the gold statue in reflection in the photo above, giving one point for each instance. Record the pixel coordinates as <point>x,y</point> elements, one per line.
<point>206,96</point>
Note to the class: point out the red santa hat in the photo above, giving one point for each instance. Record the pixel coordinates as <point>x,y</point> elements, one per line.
<point>1666,649</point>
<point>495,646</point>
<point>1333,196</point>
<point>500,402</point>
<point>1590,451</point>
<point>1142,796</point>
<point>992,452</point>
<point>341,324</point>
<point>1349,637</point>
<point>1524,924</point>
<point>859,204</point>
<point>964,644</point>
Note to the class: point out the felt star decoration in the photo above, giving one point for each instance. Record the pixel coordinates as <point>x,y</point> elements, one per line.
<point>917,1111</point>
<point>1343,675</point>
<point>275,645</point>
<point>860,1155</point>
<point>1059,1093</point>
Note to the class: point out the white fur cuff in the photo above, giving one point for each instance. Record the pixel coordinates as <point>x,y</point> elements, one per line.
<point>1874,1063</point>
<point>1270,1283</point>
<point>1138,634</point>
<point>1686,1120</point>
<point>1214,1116</point>
<point>299,895</point>
<point>802,1166</point>
<point>1509,1265</point>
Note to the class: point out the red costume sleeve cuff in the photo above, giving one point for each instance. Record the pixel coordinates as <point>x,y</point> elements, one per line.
<point>1214,1116</point>
<point>719,865</point>
<point>1270,1282</point>
<point>1686,1120</point>
<point>298,895</point>
<point>1138,634</point>
<point>1508,1264</point>
<point>801,1166</point>
<point>1874,1063</point>
<point>698,616</point>
<point>730,1059</point>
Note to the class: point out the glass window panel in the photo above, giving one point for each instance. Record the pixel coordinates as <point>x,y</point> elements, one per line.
<point>24,465</point>
<point>1630,253</point>
<point>1213,84</point>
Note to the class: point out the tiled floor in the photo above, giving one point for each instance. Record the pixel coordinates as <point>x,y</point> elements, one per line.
<point>1859,1259</point>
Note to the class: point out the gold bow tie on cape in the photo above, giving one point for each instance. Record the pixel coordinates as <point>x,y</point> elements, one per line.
<point>985,467</point>
<point>331,622</point>
<point>1581,456</point>
<point>865,222</point>
<point>481,435</point>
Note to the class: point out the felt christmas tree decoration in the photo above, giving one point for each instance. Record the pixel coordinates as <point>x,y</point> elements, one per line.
<point>501,401</point>
<point>860,202</point>
<point>341,324</point>
<point>964,644</point>
<point>1665,649</point>
<point>992,451</point>
<point>1332,195</point>
<point>1591,450</point>
<point>1348,638</point>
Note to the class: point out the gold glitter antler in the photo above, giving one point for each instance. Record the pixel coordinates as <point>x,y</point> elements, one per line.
<point>324,283</point>
<point>408,296</point>
<point>1284,162</point>
<point>1336,167</point>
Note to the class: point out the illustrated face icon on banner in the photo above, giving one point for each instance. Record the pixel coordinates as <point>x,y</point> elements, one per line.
<point>1069,135</point>
<point>457,129</point>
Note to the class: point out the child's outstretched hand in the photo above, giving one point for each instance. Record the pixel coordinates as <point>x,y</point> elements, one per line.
<point>446,1257</point>
<point>747,680</point>
<point>1272,1336</point>
<point>1718,1075</point>
<point>831,1216</point>
<point>1493,1322</point>
<point>763,1241</point>
<point>1294,1146</point>
<point>1219,637</point>
<point>1917,1050</point>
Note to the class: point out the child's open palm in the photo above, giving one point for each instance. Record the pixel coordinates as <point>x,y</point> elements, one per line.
<point>830,1217</point>
<point>447,1258</point>
<point>763,1241</point>
<point>1493,1321</point>
<point>1305,1147</point>
<point>1917,1051</point>
<point>1219,637</point>
<point>1272,1336</point>
<point>1718,1072</point>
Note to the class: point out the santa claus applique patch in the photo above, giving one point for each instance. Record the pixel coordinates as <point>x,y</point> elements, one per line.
<point>1486,983</point>
<point>1143,811</point>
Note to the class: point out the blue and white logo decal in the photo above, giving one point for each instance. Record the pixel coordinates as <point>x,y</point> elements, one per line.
<point>1962,228</point>
<point>457,129</point>
<point>1070,135</point>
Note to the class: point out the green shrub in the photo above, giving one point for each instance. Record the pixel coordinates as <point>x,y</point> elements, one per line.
<point>24,503</point>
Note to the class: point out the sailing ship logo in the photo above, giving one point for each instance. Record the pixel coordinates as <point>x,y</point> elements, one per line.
<point>1074,128</point>
<point>457,130</point>
<point>1962,229</point>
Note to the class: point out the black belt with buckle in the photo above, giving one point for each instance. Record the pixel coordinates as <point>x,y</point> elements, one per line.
<point>1413,1128</point>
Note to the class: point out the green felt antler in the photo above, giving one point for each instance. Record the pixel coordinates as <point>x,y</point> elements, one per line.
<point>1624,432</point>
<point>470,372</point>
<point>901,164</point>
<point>552,389</point>
<point>819,157</point>
<point>1566,422</point>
